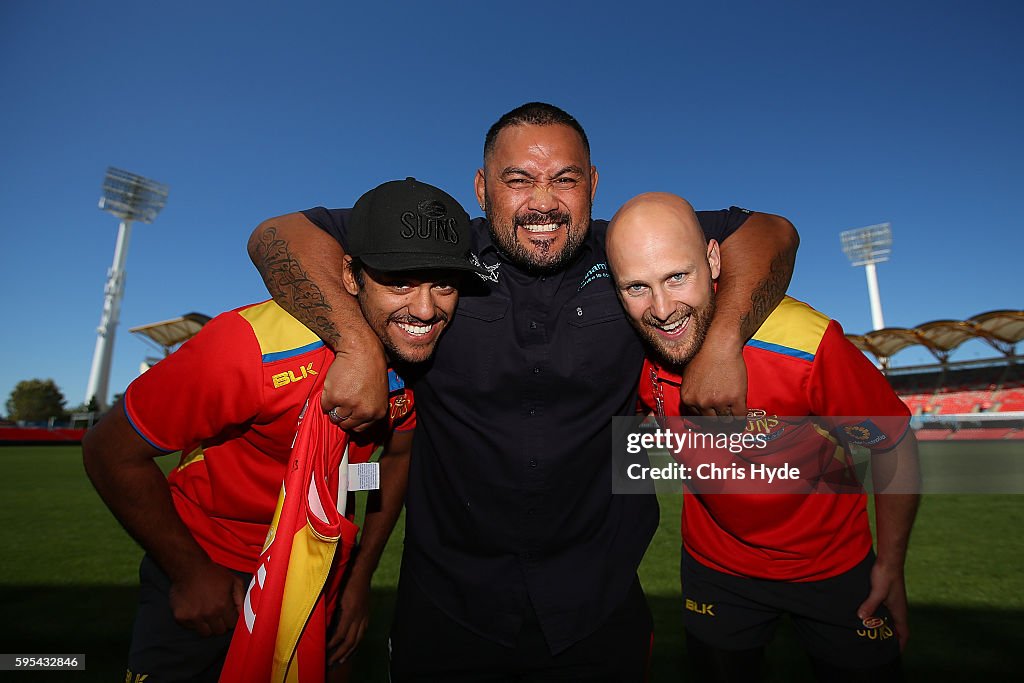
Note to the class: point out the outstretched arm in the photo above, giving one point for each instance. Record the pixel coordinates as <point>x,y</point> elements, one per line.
<point>377,527</point>
<point>204,596</point>
<point>897,479</point>
<point>757,264</point>
<point>301,266</point>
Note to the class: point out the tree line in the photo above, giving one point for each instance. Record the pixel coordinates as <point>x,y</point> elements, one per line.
<point>38,400</point>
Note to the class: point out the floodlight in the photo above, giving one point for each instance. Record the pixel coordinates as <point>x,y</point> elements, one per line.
<point>866,247</point>
<point>130,197</point>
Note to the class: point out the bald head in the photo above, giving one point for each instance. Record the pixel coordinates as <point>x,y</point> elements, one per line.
<point>649,221</point>
<point>663,269</point>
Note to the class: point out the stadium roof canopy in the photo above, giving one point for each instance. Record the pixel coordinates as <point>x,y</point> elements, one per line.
<point>1001,329</point>
<point>1006,326</point>
<point>170,333</point>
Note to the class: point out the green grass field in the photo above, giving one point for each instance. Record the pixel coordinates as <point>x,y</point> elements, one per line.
<point>68,577</point>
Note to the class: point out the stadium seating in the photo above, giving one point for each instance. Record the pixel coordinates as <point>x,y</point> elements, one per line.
<point>995,388</point>
<point>981,398</point>
<point>1010,400</point>
<point>918,403</point>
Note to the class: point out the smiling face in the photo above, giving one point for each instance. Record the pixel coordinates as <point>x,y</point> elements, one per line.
<point>536,187</point>
<point>407,311</point>
<point>664,272</point>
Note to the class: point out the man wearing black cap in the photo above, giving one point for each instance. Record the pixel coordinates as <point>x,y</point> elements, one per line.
<point>519,563</point>
<point>229,400</point>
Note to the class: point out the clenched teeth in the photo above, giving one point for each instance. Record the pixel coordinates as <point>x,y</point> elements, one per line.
<point>417,330</point>
<point>543,227</point>
<point>674,326</point>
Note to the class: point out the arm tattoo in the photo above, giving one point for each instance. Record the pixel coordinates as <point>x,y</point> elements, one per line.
<point>291,286</point>
<point>768,293</point>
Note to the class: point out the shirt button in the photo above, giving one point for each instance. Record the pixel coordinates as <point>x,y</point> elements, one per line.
<point>532,463</point>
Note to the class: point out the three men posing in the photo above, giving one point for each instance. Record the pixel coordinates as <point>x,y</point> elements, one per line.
<point>519,563</point>
<point>518,560</point>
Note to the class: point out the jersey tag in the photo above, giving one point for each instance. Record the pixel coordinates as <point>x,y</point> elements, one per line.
<point>364,477</point>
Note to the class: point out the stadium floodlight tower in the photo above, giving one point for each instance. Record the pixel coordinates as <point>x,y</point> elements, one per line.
<point>866,247</point>
<point>131,198</point>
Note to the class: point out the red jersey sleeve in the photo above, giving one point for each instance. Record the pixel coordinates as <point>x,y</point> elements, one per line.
<point>209,384</point>
<point>844,383</point>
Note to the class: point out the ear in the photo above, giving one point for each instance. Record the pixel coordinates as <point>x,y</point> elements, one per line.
<point>714,259</point>
<point>480,185</point>
<point>347,278</point>
<point>593,182</point>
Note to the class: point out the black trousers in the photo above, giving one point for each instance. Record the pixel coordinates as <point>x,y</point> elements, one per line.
<point>162,650</point>
<point>427,646</point>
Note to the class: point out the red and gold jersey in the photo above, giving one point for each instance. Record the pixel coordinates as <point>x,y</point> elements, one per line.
<point>799,363</point>
<point>229,400</point>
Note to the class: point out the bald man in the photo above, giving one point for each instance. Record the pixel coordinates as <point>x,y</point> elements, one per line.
<point>748,559</point>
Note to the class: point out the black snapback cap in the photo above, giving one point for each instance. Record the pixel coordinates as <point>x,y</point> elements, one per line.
<point>410,225</point>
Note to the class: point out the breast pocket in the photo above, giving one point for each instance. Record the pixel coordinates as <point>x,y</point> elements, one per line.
<point>467,348</point>
<point>604,345</point>
<point>594,311</point>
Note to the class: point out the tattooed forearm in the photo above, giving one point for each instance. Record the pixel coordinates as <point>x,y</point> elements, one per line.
<point>290,285</point>
<point>768,293</point>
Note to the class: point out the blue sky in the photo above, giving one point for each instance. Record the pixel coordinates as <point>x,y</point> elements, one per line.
<point>836,117</point>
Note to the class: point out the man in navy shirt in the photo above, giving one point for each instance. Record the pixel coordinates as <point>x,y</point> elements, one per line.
<point>519,562</point>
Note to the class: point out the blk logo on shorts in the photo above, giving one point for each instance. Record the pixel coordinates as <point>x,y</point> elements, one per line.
<point>702,608</point>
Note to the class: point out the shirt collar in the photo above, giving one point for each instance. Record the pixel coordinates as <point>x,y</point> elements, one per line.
<point>664,374</point>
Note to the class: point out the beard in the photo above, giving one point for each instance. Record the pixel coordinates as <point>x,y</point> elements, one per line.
<point>541,259</point>
<point>403,353</point>
<point>675,354</point>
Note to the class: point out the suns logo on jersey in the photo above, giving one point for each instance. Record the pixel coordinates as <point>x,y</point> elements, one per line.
<point>760,422</point>
<point>399,406</point>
